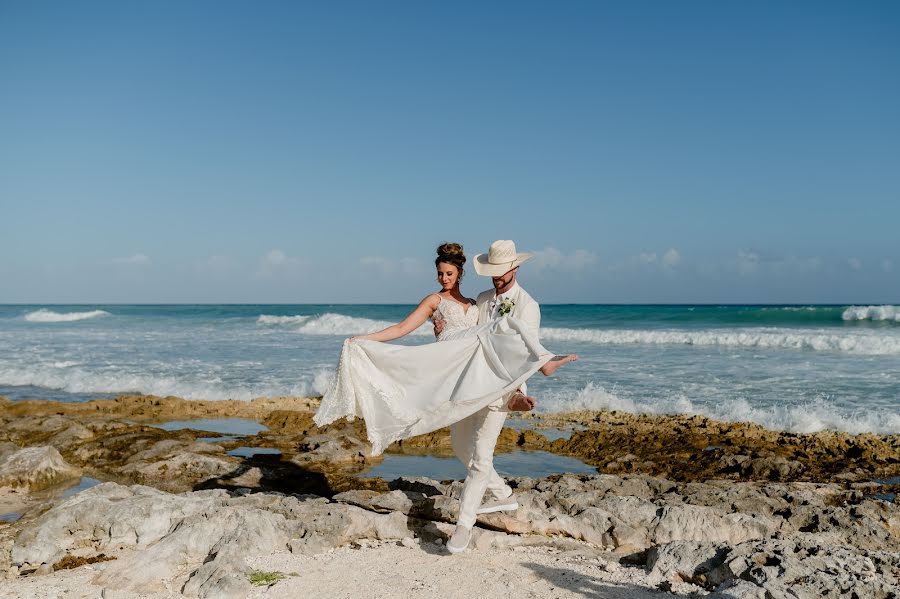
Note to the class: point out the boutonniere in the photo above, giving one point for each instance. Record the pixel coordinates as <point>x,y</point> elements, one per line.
<point>506,307</point>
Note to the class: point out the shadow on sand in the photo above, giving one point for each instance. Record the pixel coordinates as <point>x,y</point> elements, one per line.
<point>590,587</point>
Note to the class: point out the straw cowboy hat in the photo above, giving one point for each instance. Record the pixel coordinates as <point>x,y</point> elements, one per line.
<point>500,259</point>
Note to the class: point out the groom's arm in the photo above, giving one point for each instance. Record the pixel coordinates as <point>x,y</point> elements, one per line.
<point>530,315</point>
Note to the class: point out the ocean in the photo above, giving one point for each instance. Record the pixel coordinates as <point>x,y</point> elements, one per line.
<point>795,368</point>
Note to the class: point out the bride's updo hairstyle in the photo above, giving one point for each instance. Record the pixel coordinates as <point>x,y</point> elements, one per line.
<point>451,253</point>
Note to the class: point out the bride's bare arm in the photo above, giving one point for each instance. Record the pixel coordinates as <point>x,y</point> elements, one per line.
<point>409,324</point>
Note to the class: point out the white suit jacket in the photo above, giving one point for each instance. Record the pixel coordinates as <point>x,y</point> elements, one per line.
<point>525,309</point>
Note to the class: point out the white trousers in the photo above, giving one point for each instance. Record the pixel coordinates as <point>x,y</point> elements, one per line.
<point>473,440</point>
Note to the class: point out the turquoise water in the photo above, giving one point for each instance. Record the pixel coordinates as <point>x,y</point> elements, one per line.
<point>799,368</point>
<point>60,492</point>
<point>537,464</point>
<point>226,426</point>
<point>249,452</point>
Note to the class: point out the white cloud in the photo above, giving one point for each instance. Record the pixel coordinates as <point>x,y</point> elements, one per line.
<point>553,259</point>
<point>276,262</point>
<point>751,261</point>
<point>668,261</point>
<point>671,258</point>
<point>854,263</point>
<point>133,260</point>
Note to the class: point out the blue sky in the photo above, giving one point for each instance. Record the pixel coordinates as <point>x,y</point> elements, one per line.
<point>319,152</point>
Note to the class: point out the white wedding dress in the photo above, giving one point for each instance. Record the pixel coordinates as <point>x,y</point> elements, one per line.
<point>403,391</point>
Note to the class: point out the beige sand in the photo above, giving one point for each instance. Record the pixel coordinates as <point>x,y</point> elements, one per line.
<point>392,570</point>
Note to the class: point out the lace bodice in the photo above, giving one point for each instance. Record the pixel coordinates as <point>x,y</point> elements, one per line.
<point>455,316</point>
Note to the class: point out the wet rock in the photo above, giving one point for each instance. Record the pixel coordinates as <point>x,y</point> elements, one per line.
<point>674,448</point>
<point>151,408</point>
<point>172,464</point>
<point>762,468</point>
<point>695,448</point>
<point>326,448</point>
<point>35,468</point>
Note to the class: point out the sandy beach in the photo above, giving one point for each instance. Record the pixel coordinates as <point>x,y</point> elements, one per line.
<point>393,570</point>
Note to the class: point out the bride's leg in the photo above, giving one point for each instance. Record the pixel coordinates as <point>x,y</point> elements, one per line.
<point>555,362</point>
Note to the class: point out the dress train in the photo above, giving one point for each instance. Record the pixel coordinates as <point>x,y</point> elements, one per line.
<point>403,391</point>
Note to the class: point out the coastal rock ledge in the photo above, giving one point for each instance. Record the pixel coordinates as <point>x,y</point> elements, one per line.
<point>720,537</point>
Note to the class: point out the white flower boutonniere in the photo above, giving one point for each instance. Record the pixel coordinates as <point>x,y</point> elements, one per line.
<point>506,307</point>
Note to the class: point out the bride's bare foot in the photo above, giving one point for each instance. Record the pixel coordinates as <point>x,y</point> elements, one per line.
<point>520,402</point>
<point>555,362</point>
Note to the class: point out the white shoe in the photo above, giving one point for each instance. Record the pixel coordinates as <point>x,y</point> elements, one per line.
<point>459,542</point>
<point>507,504</point>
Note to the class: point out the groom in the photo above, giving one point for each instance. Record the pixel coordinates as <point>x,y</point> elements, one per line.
<point>474,438</point>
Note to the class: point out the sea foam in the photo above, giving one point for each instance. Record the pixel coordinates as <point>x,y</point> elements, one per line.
<point>44,315</point>
<point>281,320</point>
<point>80,380</point>
<point>339,324</point>
<point>856,342</point>
<point>888,313</point>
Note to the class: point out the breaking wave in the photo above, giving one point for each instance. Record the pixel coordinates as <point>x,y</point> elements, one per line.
<point>856,342</point>
<point>44,315</point>
<point>338,324</point>
<point>76,380</point>
<point>275,320</point>
<point>877,313</point>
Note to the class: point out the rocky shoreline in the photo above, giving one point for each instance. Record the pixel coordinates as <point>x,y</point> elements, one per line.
<point>681,504</point>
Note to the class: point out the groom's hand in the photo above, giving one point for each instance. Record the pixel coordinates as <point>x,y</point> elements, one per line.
<point>438,327</point>
<point>519,402</point>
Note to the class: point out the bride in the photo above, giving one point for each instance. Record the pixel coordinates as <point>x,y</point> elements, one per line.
<point>404,391</point>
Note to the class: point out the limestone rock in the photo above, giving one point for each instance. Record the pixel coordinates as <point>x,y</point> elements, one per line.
<point>108,517</point>
<point>395,501</point>
<point>7,448</point>
<point>700,523</point>
<point>35,468</point>
<point>195,541</point>
<point>740,589</point>
<point>213,542</point>
<point>326,448</point>
<point>695,562</point>
<point>808,567</point>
